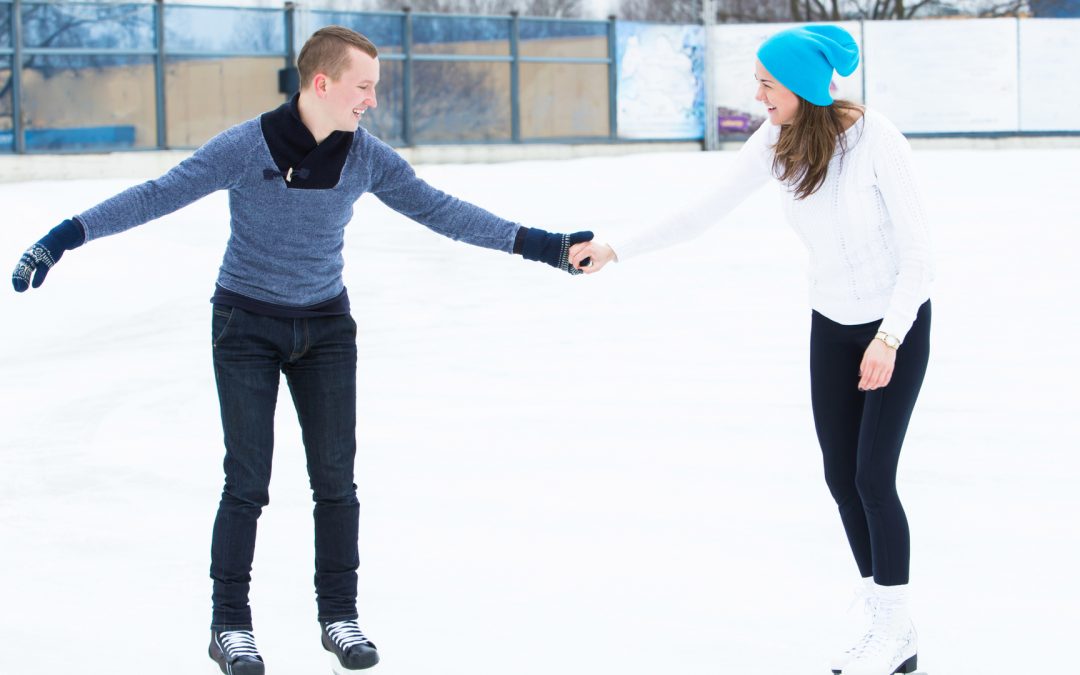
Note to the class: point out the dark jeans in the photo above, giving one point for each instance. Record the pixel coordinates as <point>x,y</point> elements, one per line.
<point>318,357</point>
<point>860,435</point>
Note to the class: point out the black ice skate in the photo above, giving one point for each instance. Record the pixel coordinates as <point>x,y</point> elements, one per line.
<point>235,652</point>
<point>347,642</point>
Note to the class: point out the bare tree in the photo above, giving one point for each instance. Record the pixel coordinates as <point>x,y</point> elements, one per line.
<point>60,25</point>
<point>439,87</point>
<point>566,9</point>
<point>727,11</point>
<point>770,11</point>
<point>896,9</point>
<point>815,10</point>
<point>438,112</point>
<point>747,11</point>
<point>668,11</point>
<point>1014,8</point>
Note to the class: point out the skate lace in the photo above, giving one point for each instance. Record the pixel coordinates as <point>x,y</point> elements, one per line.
<point>345,634</point>
<point>877,638</point>
<point>863,645</point>
<point>869,607</point>
<point>237,643</point>
<point>864,597</point>
<point>872,643</point>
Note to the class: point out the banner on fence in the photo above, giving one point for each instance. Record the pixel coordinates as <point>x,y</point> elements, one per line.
<point>660,92</point>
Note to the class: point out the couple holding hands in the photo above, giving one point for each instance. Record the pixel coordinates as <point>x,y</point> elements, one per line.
<point>280,306</point>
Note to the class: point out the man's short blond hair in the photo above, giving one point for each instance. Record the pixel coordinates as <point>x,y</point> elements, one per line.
<point>327,51</point>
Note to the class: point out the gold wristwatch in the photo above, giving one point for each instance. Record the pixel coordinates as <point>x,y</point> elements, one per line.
<point>890,341</point>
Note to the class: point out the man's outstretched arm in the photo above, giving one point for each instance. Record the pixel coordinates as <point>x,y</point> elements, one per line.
<point>396,184</point>
<point>212,167</point>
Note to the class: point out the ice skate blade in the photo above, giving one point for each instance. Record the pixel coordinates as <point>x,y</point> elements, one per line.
<point>239,668</point>
<point>242,668</point>
<point>338,669</point>
<point>908,666</point>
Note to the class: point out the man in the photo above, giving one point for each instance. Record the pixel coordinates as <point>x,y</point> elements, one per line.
<point>280,305</point>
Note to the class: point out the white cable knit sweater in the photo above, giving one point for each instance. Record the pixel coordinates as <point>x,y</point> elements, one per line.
<point>865,228</point>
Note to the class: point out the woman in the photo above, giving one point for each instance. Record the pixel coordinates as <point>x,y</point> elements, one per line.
<point>852,198</point>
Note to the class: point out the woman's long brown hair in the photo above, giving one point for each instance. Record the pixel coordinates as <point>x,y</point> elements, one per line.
<point>807,144</point>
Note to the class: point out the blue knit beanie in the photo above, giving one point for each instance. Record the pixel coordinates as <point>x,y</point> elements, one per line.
<point>802,59</point>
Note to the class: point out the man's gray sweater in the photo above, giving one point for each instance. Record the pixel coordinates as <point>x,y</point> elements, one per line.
<point>286,244</point>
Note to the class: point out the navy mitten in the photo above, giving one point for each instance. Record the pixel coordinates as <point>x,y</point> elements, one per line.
<point>552,248</point>
<point>40,257</point>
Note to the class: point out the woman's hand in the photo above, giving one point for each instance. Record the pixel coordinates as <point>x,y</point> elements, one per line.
<point>876,368</point>
<point>598,255</point>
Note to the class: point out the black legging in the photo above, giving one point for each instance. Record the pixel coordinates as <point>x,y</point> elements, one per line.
<point>861,434</point>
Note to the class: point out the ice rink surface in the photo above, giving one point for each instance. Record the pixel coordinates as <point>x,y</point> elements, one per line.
<point>604,475</point>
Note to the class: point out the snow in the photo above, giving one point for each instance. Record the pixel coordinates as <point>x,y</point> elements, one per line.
<point>573,475</point>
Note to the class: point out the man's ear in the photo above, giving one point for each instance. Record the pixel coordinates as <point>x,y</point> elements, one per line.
<point>318,83</point>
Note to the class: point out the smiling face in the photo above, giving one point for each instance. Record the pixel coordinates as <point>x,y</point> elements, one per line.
<point>347,98</point>
<point>780,102</point>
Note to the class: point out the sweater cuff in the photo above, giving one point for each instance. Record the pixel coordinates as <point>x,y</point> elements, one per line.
<point>896,327</point>
<point>519,239</point>
<point>82,230</point>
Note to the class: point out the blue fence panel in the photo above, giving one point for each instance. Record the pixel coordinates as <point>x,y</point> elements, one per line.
<point>1056,9</point>
<point>460,102</point>
<point>88,26</point>
<point>577,39</point>
<point>387,31</point>
<point>5,25</point>
<point>112,91</point>
<point>564,100</point>
<point>7,135</point>
<point>224,30</point>
<point>49,65</point>
<point>106,55</point>
<point>119,137</point>
<point>195,107</point>
<point>444,35</point>
<point>75,138</point>
<point>546,29</point>
<point>386,120</point>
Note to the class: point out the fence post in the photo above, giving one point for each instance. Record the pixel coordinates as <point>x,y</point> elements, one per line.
<point>515,78</point>
<point>16,77</point>
<point>613,80</point>
<point>288,77</point>
<point>1019,82</point>
<point>406,77</point>
<point>290,34</point>
<point>712,133</point>
<point>159,73</point>
<point>862,58</point>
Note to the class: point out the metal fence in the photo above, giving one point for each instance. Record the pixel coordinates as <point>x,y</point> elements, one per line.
<point>78,77</point>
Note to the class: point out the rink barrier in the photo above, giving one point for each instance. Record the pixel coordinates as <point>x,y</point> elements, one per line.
<point>152,163</point>
<point>149,164</point>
